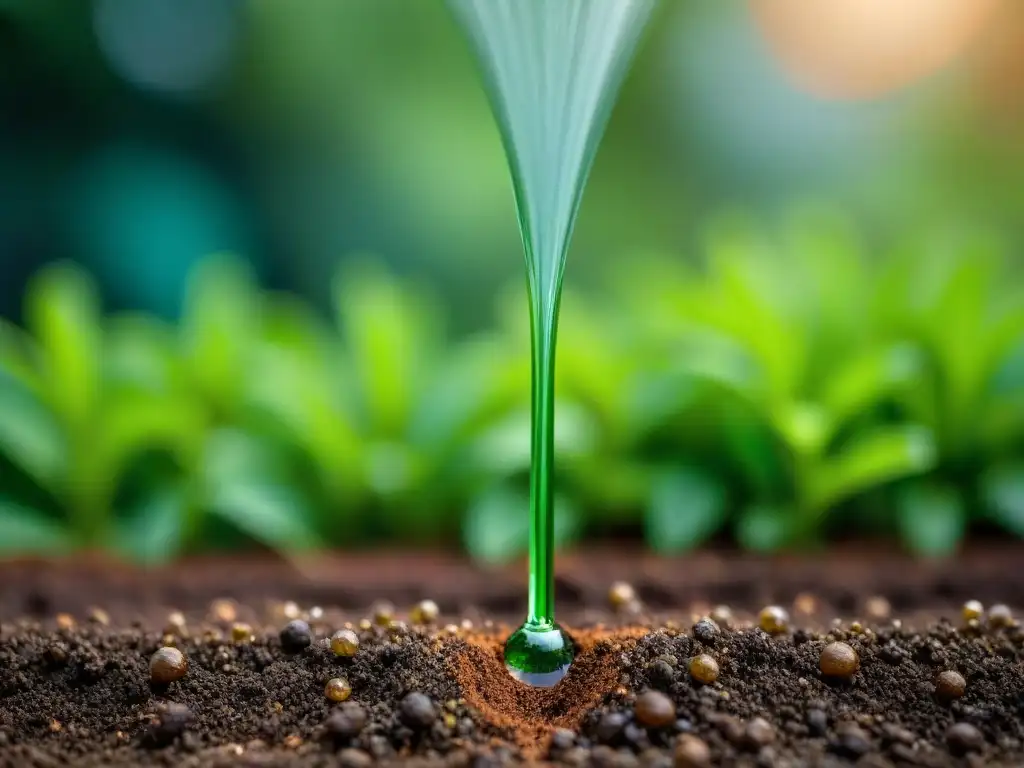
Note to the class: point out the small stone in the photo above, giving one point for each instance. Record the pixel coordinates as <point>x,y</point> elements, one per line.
<point>962,738</point>
<point>383,613</point>
<point>704,668</point>
<point>878,607</point>
<point>774,620</point>
<point>706,631</point>
<point>240,632</point>
<point>950,685</point>
<point>1000,616</point>
<point>817,722</point>
<point>170,723</point>
<point>973,609</point>
<point>346,721</point>
<point>167,665</point>
<point>610,727</point>
<point>354,758</point>
<point>691,752</point>
<point>853,742</point>
<point>337,689</point>
<point>296,636</point>
<point>344,642</point>
<point>806,603</point>
<point>760,733</point>
<point>425,612</point>
<point>417,711</point>
<point>654,710</point>
<point>722,616</point>
<point>839,660</point>
<point>621,594</point>
<point>223,611</point>
<point>99,616</point>
<point>562,739</point>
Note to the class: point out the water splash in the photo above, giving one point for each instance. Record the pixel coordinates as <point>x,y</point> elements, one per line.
<point>552,69</point>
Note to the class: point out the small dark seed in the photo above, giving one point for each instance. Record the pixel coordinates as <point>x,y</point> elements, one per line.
<point>296,636</point>
<point>171,722</point>
<point>417,711</point>
<point>962,738</point>
<point>654,710</point>
<point>950,685</point>
<point>167,665</point>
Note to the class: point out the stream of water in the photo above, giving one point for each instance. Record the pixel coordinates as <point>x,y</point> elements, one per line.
<point>552,69</point>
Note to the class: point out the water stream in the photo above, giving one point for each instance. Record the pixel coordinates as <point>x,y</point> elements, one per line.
<point>552,69</point>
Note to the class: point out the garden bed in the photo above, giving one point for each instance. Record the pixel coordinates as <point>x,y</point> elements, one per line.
<point>75,689</point>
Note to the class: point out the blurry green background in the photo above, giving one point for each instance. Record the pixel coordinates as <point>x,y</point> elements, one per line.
<point>261,283</point>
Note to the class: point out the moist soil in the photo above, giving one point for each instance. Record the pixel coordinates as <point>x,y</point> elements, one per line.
<point>76,690</point>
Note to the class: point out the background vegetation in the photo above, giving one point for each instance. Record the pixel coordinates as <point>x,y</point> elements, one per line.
<point>791,315</point>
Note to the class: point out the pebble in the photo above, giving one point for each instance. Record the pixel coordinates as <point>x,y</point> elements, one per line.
<point>1000,616</point>
<point>171,722</point>
<point>706,631</point>
<point>354,758</point>
<point>838,660</point>
<point>241,633</point>
<point>621,594</point>
<point>962,738</point>
<point>760,733</point>
<point>562,739</point>
<point>950,685</point>
<point>654,710</point>
<point>167,665</point>
<point>609,727</point>
<point>972,610</point>
<point>344,642</point>
<point>346,721</point>
<point>774,620</point>
<point>296,636</point>
<point>691,752</point>
<point>383,612</point>
<point>425,612</point>
<point>704,668</point>
<point>852,742</point>
<point>655,758</point>
<point>337,689</point>
<point>722,616</point>
<point>417,711</point>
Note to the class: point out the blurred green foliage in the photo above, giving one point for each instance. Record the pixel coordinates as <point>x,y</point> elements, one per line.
<point>789,384</point>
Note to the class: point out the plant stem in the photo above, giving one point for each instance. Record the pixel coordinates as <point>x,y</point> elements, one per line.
<point>543,332</point>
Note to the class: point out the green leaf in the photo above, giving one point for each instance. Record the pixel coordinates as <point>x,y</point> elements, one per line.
<point>19,356</point>
<point>496,527</point>
<point>25,531</point>
<point>1003,492</point>
<point>870,460</point>
<point>765,528</point>
<point>931,519</point>
<point>141,352</point>
<point>64,314</point>
<point>687,506</point>
<point>271,513</point>
<point>30,436</point>
<point>803,426</point>
<point>221,321</point>
<point>861,381</point>
<point>154,531</point>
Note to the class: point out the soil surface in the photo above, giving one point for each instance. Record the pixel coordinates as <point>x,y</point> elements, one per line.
<point>76,687</point>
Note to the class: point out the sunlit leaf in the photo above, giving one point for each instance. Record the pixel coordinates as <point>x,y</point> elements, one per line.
<point>30,436</point>
<point>687,507</point>
<point>871,459</point>
<point>64,315</point>
<point>271,513</point>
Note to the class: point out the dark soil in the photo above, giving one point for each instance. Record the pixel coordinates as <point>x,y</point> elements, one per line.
<point>75,690</point>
